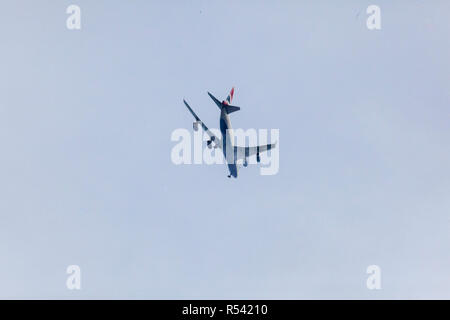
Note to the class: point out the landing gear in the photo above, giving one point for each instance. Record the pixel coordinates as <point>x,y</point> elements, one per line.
<point>229,176</point>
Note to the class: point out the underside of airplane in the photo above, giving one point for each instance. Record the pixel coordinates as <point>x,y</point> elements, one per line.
<point>231,152</point>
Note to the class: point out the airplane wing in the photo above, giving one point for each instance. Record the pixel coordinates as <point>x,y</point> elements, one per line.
<point>216,139</point>
<point>242,152</point>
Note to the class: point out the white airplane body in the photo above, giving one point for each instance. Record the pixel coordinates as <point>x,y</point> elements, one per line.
<point>231,153</point>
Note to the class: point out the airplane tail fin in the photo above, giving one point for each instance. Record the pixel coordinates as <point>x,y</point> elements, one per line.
<point>226,103</point>
<point>229,108</point>
<point>230,96</point>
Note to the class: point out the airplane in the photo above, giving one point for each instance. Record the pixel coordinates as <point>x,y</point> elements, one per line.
<point>226,142</point>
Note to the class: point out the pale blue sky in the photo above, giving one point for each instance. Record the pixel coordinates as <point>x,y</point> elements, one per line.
<point>86,176</point>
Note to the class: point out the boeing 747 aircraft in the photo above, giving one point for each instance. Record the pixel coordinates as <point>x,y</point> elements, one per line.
<point>226,143</point>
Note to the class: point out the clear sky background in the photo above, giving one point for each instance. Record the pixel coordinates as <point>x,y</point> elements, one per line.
<point>85,170</point>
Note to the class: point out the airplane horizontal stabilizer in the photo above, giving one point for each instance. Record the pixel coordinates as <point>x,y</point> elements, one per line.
<point>231,109</point>
<point>219,104</point>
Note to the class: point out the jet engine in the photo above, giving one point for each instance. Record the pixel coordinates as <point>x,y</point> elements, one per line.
<point>195,126</point>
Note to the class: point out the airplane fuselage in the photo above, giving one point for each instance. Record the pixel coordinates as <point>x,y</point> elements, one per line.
<point>227,143</point>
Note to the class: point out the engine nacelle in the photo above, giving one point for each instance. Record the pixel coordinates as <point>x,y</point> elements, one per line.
<point>258,158</point>
<point>195,126</point>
